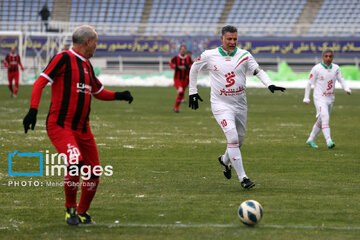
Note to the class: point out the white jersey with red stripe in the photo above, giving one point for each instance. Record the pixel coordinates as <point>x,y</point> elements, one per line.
<point>227,74</point>
<point>323,78</point>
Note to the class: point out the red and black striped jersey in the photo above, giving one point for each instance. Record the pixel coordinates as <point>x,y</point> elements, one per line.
<point>12,62</point>
<point>73,81</point>
<point>182,65</point>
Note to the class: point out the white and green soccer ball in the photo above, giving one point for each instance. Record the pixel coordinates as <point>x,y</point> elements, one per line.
<point>250,212</point>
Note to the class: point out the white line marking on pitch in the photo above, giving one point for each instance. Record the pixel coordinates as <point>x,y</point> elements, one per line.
<point>181,225</point>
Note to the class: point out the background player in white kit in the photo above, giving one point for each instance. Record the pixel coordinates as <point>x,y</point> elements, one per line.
<point>323,77</point>
<point>227,66</point>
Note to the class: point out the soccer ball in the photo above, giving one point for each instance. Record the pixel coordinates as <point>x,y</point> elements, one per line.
<point>250,212</point>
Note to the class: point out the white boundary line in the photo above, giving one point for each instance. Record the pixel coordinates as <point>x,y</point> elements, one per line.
<point>181,225</point>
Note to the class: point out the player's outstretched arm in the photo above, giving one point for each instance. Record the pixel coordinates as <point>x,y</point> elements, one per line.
<point>30,118</point>
<point>274,88</point>
<point>341,79</point>
<point>107,95</point>
<point>264,78</point>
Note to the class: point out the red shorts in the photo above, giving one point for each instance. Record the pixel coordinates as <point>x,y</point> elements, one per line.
<point>181,85</point>
<point>13,76</point>
<point>77,145</point>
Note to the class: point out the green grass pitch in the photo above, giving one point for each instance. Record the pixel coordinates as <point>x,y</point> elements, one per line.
<point>167,182</point>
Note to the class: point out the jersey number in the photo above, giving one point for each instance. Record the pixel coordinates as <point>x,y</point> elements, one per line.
<point>224,123</point>
<point>230,79</point>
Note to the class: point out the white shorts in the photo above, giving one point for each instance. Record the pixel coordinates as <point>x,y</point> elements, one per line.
<point>229,120</point>
<point>323,109</point>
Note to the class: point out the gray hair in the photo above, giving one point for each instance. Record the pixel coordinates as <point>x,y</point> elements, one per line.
<point>83,33</point>
<point>327,50</point>
<point>228,28</point>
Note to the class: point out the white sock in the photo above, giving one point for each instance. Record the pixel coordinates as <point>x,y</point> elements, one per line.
<point>225,158</point>
<point>315,131</point>
<point>326,132</point>
<point>236,161</point>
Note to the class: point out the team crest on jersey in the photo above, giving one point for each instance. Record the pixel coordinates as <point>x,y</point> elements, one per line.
<point>230,79</point>
<point>330,85</point>
<point>83,88</point>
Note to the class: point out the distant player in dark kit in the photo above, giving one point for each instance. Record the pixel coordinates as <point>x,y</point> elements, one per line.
<point>181,63</point>
<point>73,81</point>
<point>12,63</point>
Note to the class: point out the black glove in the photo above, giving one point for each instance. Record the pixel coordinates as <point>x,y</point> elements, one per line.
<point>193,101</point>
<point>274,88</point>
<point>125,95</point>
<point>30,119</point>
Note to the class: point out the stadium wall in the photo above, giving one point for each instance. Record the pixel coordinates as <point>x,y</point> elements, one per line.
<point>169,45</point>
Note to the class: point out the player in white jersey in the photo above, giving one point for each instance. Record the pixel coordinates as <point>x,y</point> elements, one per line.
<point>323,77</point>
<point>227,66</point>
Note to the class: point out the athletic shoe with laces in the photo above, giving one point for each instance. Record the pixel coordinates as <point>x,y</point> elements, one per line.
<point>331,145</point>
<point>226,168</point>
<point>311,144</point>
<point>247,183</point>
<point>71,217</point>
<point>84,218</point>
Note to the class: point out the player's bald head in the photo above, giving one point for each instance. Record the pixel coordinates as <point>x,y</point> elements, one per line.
<point>228,28</point>
<point>82,33</point>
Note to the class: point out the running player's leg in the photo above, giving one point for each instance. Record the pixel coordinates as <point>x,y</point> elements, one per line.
<point>65,143</point>
<point>10,79</point>
<point>185,84</point>
<point>179,96</point>
<point>316,128</point>
<point>240,121</point>
<point>91,164</point>
<point>16,77</point>
<point>227,123</point>
<point>325,118</point>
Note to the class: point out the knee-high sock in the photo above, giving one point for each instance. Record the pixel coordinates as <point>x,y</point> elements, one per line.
<point>236,160</point>
<point>16,86</point>
<point>315,131</point>
<point>326,132</point>
<point>11,88</point>
<point>88,190</point>
<point>225,158</point>
<point>178,100</point>
<point>71,185</point>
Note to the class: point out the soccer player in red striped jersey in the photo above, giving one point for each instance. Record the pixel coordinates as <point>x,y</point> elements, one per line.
<point>73,81</point>
<point>12,63</point>
<point>181,63</point>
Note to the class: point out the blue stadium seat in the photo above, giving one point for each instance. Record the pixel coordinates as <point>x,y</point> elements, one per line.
<point>184,11</point>
<point>333,12</point>
<point>273,12</point>
<point>109,11</point>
